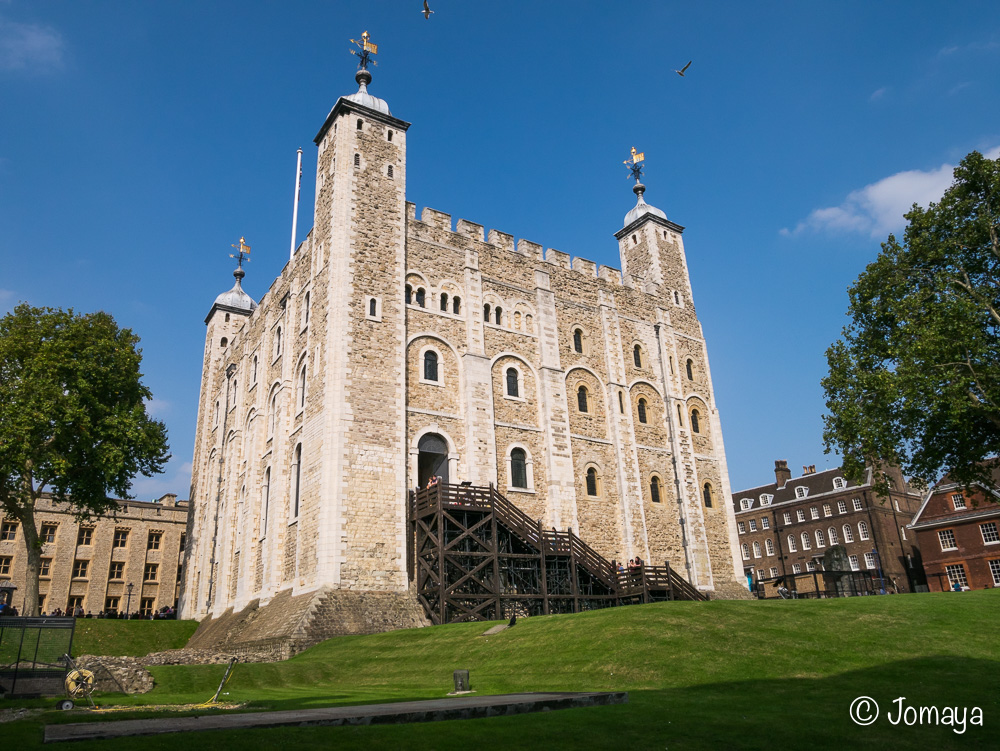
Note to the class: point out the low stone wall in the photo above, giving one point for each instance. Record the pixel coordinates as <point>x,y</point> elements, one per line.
<point>117,675</point>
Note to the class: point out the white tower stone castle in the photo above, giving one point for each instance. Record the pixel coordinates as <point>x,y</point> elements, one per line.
<point>393,348</point>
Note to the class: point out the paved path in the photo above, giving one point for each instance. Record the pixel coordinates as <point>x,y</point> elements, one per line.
<point>430,710</point>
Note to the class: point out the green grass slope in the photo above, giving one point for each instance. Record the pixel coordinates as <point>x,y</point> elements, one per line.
<point>717,675</point>
<point>95,636</point>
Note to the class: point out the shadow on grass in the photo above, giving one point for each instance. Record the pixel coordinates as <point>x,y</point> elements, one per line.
<point>792,713</point>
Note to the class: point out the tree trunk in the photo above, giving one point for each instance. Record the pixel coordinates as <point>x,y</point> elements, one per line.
<point>34,559</point>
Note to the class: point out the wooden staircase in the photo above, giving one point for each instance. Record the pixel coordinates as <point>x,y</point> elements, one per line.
<point>475,556</point>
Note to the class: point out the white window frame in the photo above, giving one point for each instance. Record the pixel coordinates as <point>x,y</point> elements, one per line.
<point>756,549</point>
<point>741,527</point>
<point>993,538</point>
<point>796,568</point>
<point>774,571</point>
<point>863,532</point>
<point>857,504</point>
<point>765,523</point>
<point>792,547</point>
<point>827,510</point>
<point>806,540</point>
<point>745,550</point>
<point>848,533</point>
<point>769,546</point>
<point>838,483</point>
<point>947,536</point>
<point>854,562</point>
<point>832,536</point>
<point>841,507</point>
<point>813,513</point>
<point>745,503</point>
<point>765,499</point>
<point>800,515</point>
<point>958,501</point>
<point>995,571</point>
<point>788,517</point>
<point>753,525</point>
<point>957,569</point>
<point>801,491</point>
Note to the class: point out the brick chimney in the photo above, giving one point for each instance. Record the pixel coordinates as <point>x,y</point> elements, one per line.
<point>782,474</point>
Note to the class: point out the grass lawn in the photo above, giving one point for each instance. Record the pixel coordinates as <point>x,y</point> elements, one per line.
<point>717,675</point>
<point>96,636</point>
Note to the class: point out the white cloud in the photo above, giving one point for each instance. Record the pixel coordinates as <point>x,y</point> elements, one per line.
<point>878,209</point>
<point>958,87</point>
<point>175,479</point>
<point>7,297</point>
<point>27,46</point>
<point>157,407</point>
<point>878,94</point>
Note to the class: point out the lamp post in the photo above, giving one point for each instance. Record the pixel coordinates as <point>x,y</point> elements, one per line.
<point>128,600</point>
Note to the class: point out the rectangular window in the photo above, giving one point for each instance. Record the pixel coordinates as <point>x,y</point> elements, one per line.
<point>857,503</point>
<point>800,515</point>
<point>947,539</point>
<point>869,560</point>
<point>45,565</point>
<point>80,568</point>
<point>841,507</point>
<point>958,501</point>
<point>788,518</point>
<point>827,511</point>
<point>810,566</point>
<point>146,606</point>
<point>796,568</point>
<point>149,574</point>
<point>753,525</point>
<point>117,570</point>
<point>814,512</point>
<point>741,527</point>
<point>183,540</point>
<point>76,601</point>
<point>5,563</point>
<point>956,575</point>
<point>111,605</point>
<point>774,571</point>
<point>854,563</point>
<point>85,535</point>
<point>989,531</point>
<point>153,543</point>
<point>765,523</point>
<point>121,538</point>
<point>8,531</point>
<point>995,570</point>
<point>48,533</point>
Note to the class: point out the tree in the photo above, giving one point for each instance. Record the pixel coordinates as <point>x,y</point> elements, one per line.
<point>915,378</point>
<point>73,419</point>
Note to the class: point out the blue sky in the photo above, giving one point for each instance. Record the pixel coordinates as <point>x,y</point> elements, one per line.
<point>138,140</point>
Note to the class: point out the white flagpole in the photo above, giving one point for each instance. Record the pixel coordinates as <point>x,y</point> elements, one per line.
<point>295,207</point>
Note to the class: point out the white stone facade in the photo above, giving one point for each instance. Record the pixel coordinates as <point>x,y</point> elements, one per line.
<point>313,406</point>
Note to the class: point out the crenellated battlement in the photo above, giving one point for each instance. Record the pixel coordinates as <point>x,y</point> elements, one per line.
<point>439,220</point>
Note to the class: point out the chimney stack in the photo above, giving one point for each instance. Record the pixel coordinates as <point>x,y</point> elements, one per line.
<point>781,473</point>
<point>808,469</point>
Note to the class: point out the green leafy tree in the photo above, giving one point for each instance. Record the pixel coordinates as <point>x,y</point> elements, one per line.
<point>73,419</point>
<point>915,378</point>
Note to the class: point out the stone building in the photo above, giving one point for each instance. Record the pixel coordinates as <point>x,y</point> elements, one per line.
<point>785,527</point>
<point>395,346</point>
<point>92,563</point>
<point>958,530</point>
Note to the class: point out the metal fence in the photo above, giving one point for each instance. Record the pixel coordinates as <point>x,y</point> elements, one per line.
<point>818,584</point>
<point>31,655</point>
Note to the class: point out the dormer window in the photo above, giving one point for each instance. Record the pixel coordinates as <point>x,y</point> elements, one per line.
<point>801,491</point>
<point>745,503</point>
<point>838,483</point>
<point>765,499</point>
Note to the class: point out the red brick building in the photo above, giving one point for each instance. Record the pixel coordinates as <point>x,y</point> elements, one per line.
<point>958,531</point>
<point>786,527</point>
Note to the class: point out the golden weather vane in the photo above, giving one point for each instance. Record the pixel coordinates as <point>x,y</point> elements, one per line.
<point>368,48</point>
<point>635,163</point>
<point>243,251</point>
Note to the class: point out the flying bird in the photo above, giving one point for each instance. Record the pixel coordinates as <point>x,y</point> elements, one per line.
<point>427,10</point>
<point>678,72</point>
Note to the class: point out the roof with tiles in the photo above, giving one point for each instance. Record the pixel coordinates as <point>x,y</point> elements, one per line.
<point>816,483</point>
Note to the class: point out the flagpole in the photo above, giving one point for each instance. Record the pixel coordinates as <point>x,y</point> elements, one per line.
<point>295,206</point>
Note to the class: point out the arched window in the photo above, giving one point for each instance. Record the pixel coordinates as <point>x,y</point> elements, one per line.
<point>389,171</point>
<point>277,342</point>
<point>253,370</point>
<point>769,546</point>
<point>581,398</point>
<point>236,392</point>
<point>372,307</point>
<point>820,539</point>
<point>654,489</point>
<point>690,370</point>
<point>592,486</point>
<point>578,340</point>
<point>456,305</point>
<point>518,469</point>
<point>756,549</point>
<point>863,530</point>
<point>298,481</point>
<point>642,410</point>
<point>360,123</point>
<point>621,403</point>
<point>637,355</point>
<point>224,342</point>
<point>497,312</point>
<point>746,551</point>
<point>227,317</point>
<point>848,533</point>
<point>409,294</point>
<point>430,365</point>
<point>444,301</point>
<point>216,412</point>
<point>272,414</point>
<point>791,544</point>
<point>806,542</point>
<point>680,416</point>
<point>695,427</point>
<point>486,313</point>
<point>389,137</point>
<point>265,498</point>
<point>512,382</point>
<point>832,533</point>
<point>421,296</point>
<point>706,494</point>
<point>302,386</point>
<point>357,160</point>
<point>305,311</point>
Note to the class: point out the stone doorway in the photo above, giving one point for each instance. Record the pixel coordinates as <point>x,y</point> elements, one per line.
<point>432,459</point>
